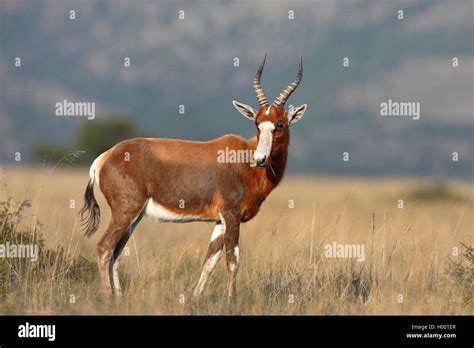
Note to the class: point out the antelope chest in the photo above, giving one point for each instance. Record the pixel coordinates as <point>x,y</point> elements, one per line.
<point>250,208</point>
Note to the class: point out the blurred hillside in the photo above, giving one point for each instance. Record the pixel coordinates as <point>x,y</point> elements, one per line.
<point>190,62</point>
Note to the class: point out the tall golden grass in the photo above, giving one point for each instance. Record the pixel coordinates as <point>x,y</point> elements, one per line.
<point>283,271</point>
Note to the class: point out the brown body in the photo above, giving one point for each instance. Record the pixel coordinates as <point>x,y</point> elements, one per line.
<point>186,178</point>
<point>183,181</point>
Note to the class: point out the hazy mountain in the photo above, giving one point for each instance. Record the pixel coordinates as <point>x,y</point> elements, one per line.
<point>190,62</point>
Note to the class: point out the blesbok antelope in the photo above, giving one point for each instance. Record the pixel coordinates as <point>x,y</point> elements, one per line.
<point>182,181</point>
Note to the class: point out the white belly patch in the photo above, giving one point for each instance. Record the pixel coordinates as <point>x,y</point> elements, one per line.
<point>160,213</point>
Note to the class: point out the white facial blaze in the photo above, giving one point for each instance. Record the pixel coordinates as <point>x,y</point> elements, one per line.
<point>267,112</point>
<point>264,146</point>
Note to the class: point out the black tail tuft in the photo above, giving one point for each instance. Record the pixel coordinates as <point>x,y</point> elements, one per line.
<point>90,212</point>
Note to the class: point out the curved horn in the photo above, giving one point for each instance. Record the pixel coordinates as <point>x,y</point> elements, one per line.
<point>285,94</point>
<point>262,100</point>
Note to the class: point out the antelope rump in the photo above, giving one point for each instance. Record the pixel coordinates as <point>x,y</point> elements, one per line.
<point>182,181</point>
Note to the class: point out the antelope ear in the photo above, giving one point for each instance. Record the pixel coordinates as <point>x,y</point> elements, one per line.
<point>296,114</point>
<point>245,110</point>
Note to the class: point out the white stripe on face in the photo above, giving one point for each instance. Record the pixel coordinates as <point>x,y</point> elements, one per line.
<point>264,146</point>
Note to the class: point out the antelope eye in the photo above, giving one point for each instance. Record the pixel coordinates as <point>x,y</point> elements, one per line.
<point>279,124</point>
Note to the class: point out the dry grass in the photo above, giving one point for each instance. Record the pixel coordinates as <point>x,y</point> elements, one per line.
<point>406,251</point>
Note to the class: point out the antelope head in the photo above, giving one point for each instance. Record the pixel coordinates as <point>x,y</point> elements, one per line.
<point>272,121</point>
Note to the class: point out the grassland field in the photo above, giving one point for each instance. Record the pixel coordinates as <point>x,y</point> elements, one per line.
<point>416,256</point>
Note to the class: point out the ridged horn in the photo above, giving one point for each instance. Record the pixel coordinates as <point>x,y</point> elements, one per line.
<point>262,100</point>
<point>285,94</point>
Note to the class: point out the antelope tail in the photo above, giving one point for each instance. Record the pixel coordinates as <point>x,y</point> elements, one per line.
<point>90,212</point>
